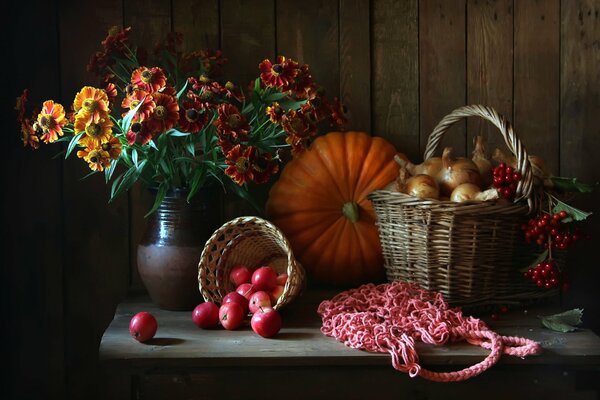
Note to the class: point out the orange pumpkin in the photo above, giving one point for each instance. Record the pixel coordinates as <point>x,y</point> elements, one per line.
<point>320,204</point>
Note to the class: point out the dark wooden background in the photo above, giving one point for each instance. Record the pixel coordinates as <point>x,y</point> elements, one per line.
<point>399,66</point>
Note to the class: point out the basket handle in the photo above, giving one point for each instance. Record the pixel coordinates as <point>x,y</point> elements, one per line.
<point>525,185</point>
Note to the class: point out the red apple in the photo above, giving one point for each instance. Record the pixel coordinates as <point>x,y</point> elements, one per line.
<point>235,297</point>
<point>206,315</point>
<point>259,299</point>
<point>264,278</point>
<point>246,290</point>
<point>266,322</point>
<point>282,279</point>
<point>231,316</point>
<point>240,274</point>
<point>276,294</point>
<point>143,326</point>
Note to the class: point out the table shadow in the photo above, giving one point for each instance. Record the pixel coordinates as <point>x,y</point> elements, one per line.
<point>164,341</point>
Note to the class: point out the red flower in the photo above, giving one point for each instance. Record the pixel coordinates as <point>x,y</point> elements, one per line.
<point>21,104</point>
<point>281,74</point>
<point>275,112</point>
<point>337,111</point>
<point>202,83</point>
<point>212,62</point>
<point>297,124</point>
<point>231,123</point>
<point>192,117</point>
<point>232,91</point>
<point>239,160</point>
<point>303,84</point>
<point>263,167</point>
<point>298,144</point>
<point>116,41</point>
<point>165,114</point>
<point>138,132</point>
<point>149,79</point>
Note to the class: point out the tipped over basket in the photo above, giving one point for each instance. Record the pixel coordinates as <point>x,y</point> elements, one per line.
<point>470,252</point>
<point>253,242</point>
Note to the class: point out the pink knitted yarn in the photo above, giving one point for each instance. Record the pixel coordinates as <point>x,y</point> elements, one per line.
<point>390,317</point>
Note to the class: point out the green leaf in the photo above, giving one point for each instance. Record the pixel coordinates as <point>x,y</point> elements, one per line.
<point>292,104</point>
<point>63,139</point>
<point>73,143</point>
<point>575,214</point>
<point>563,322</point>
<point>129,116</point>
<point>176,133</point>
<point>108,172</point>
<point>275,97</point>
<point>153,145</point>
<point>134,157</point>
<point>129,178</point>
<point>573,185</point>
<point>88,175</point>
<point>182,89</point>
<point>242,192</point>
<point>160,196</point>
<point>191,148</point>
<point>197,181</point>
<point>539,259</point>
<point>257,88</point>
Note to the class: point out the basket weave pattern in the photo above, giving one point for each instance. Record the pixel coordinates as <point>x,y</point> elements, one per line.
<point>470,252</point>
<point>251,241</point>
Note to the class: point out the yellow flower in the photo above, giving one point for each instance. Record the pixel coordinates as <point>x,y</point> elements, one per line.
<point>51,120</point>
<point>113,147</point>
<point>96,133</point>
<point>97,159</point>
<point>91,103</point>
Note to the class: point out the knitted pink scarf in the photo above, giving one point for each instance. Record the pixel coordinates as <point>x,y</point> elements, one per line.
<point>388,318</point>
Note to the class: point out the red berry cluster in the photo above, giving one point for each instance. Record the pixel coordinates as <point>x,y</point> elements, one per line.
<point>545,274</point>
<point>505,180</point>
<point>547,228</point>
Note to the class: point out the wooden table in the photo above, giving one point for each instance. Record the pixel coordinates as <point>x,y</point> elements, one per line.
<point>183,361</point>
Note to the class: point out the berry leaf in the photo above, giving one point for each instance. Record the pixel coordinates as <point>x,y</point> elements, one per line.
<point>563,322</point>
<point>575,214</point>
<point>543,256</point>
<point>573,185</point>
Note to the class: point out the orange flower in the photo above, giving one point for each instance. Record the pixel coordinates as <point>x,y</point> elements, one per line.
<point>91,103</point>
<point>96,133</point>
<point>297,124</point>
<point>149,79</point>
<point>29,135</point>
<point>113,147</point>
<point>275,112</point>
<point>192,118</point>
<point>165,114</point>
<point>111,91</point>
<point>132,101</point>
<point>51,121</point>
<point>263,167</point>
<point>139,132</point>
<point>231,122</point>
<point>97,159</point>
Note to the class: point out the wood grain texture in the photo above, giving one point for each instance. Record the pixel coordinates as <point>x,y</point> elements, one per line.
<point>180,344</point>
<point>442,69</point>
<point>308,31</point>
<point>355,63</point>
<point>489,65</point>
<point>579,134</point>
<point>536,78</point>
<point>199,23</point>
<point>151,22</point>
<point>32,265</point>
<point>94,229</point>
<point>395,65</point>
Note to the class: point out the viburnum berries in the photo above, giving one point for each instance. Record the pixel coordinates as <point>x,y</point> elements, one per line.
<point>545,274</point>
<point>547,230</point>
<point>505,179</point>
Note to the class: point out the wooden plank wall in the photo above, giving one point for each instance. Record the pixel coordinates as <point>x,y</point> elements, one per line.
<point>399,67</point>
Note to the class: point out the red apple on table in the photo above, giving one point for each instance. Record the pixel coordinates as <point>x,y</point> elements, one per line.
<point>231,316</point>
<point>246,290</point>
<point>259,299</point>
<point>264,278</point>
<point>240,274</point>
<point>276,293</point>
<point>282,279</point>
<point>206,315</point>
<point>266,322</point>
<point>143,326</point>
<point>235,297</point>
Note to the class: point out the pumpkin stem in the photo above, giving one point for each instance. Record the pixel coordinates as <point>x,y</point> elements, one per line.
<point>351,211</point>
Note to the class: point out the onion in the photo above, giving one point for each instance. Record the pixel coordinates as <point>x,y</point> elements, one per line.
<point>431,166</point>
<point>423,186</point>
<point>483,164</point>
<point>471,192</point>
<point>455,172</point>
<point>399,184</point>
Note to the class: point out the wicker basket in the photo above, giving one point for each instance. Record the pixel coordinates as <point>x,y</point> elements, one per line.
<point>470,252</point>
<point>251,241</point>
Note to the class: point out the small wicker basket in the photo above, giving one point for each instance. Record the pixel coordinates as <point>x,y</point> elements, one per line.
<point>254,242</point>
<point>470,252</point>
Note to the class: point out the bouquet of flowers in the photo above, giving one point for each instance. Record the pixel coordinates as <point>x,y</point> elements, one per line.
<point>176,123</point>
